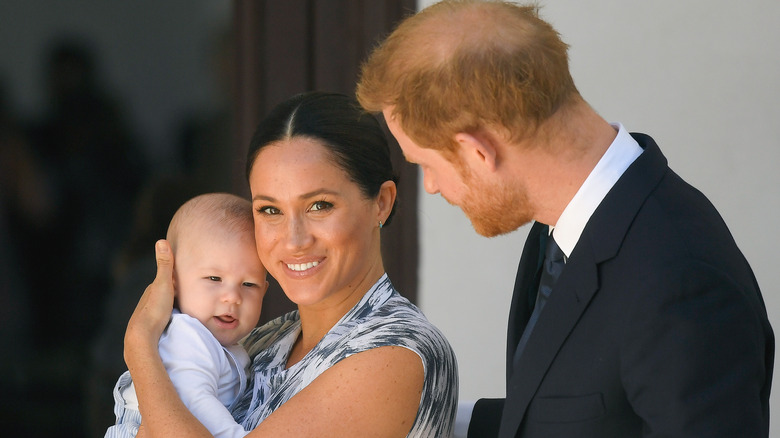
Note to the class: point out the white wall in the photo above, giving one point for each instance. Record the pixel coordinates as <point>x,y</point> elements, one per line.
<point>700,76</point>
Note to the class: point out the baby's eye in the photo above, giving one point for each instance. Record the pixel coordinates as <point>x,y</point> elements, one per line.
<point>321,205</point>
<point>214,278</point>
<point>248,284</point>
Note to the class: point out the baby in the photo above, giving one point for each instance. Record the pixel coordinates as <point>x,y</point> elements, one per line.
<point>219,285</point>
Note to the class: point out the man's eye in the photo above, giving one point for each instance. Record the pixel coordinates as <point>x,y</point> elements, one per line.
<point>321,205</point>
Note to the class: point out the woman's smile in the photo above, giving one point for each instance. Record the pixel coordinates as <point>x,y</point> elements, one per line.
<point>301,267</point>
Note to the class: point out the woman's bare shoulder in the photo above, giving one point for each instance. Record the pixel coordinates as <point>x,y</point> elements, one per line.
<point>373,393</point>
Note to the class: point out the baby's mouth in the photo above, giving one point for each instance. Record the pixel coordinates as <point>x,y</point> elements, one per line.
<point>227,319</point>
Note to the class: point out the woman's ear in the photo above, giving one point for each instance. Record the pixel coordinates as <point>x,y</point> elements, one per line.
<point>386,199</point>
<point>478,149</point>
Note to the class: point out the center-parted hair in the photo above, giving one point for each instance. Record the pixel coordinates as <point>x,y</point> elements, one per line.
<point>353,137</point>
<point>460,65</point>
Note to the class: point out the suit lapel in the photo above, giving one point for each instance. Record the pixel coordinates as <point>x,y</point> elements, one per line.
<point>601,240</point>
<point>569,298</point>
<point>527,278</point>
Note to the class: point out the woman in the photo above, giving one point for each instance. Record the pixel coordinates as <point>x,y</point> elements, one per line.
<point>356,358</point>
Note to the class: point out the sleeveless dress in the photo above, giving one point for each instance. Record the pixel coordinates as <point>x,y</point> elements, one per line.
<point>382,318</point>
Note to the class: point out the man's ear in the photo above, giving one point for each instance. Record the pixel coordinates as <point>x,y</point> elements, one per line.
<point>478,149</point>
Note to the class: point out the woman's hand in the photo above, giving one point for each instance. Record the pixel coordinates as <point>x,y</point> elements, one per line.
<point>162,410</point>
<point>153,311</point>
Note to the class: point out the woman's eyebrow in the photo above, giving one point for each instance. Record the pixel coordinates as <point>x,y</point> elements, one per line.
<point>306,195</point>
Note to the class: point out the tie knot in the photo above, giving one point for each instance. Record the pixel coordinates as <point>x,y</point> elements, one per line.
<point>553,252</point>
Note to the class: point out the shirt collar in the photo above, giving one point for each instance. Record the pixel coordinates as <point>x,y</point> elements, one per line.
<point>620,154</point>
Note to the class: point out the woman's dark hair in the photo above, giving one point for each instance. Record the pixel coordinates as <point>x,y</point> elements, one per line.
<point>354,138</point>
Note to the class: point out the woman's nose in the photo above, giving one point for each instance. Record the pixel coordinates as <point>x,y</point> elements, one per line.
<point>298,233</point>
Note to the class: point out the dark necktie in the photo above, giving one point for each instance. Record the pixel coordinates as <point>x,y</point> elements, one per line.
<point>551,269</point>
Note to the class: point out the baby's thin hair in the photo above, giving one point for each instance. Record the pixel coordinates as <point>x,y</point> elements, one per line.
<point>221,211</point>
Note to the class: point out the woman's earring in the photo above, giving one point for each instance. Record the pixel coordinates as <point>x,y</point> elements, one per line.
<point>380,225</point>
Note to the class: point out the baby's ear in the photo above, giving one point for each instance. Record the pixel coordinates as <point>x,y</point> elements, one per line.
<point>176,298</point>
<point>175,287</point>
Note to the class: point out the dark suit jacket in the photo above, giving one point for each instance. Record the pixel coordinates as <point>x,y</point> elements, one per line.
<point>656,326</point>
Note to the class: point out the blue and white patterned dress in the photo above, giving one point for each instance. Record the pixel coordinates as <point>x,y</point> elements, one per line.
<point>381,318</point>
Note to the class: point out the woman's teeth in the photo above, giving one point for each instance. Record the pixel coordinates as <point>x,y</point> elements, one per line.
<point>302,266</point>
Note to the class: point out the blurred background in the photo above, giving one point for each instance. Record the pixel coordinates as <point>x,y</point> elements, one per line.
<point>103,106</point>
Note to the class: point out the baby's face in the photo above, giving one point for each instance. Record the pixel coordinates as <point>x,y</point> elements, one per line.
<point>220,282</point>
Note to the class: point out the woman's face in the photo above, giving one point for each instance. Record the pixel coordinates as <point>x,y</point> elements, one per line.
<point>316,232</point>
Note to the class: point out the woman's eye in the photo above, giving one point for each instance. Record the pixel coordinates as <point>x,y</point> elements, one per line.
<point>214,278</point>
<point>321,205</point>
<point>268,210</point>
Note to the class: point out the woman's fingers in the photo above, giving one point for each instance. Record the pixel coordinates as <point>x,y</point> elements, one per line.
<point>162,251</point>
<point>158,298</point>
<point>153,311</point>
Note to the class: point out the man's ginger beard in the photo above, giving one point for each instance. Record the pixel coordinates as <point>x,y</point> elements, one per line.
<point>492,209</point>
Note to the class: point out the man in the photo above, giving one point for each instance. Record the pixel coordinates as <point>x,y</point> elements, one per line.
<point>634,313</point>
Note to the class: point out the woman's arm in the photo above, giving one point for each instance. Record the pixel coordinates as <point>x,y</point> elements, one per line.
<point>375,393</point>
<point>162,410</point>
